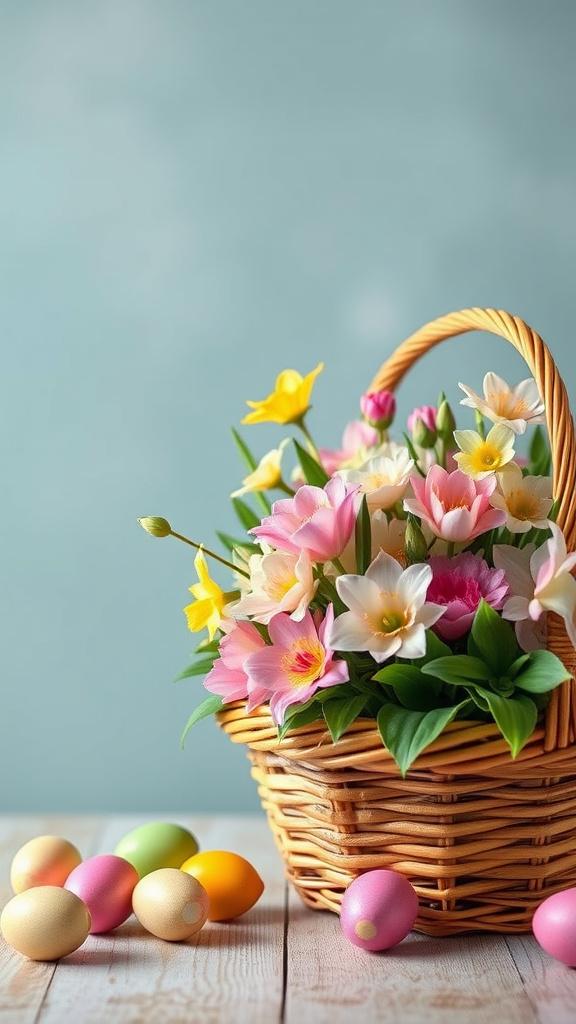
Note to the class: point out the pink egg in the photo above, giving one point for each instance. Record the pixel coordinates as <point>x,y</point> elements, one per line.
<point>554,926</point>
<point>105,883</point>
<point>378,909</point>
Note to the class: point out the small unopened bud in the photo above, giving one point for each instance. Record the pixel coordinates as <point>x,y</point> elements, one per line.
<point>156,525</point>
<point>422,436</point>
<point>378,408</point>
<point>415,545</point>
<point>445,422</point>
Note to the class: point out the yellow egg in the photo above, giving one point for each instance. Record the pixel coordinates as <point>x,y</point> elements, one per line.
<point>170,903</point>
<point>45,860</point>
<point>45,922</point>
<point>232,883</point>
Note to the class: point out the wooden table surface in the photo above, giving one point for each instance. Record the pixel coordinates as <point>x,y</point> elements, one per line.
<point>280,962</point>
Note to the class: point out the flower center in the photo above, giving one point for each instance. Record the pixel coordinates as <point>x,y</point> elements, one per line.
<point>486,457</point>
<point>522,505</point>
<point>446,588</point>
<point>302,664</point>
<point>391,622</point>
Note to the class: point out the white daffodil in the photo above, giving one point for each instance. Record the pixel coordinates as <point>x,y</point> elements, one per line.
<point>280,581</point>
<point>527,500</point>
<point>480,456</point>
<point>388,610</point>
<point>515,406</point>
<point>383,477</point>
<point>540,580</point>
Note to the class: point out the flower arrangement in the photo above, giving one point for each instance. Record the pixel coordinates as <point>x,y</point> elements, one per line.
<point>403,580</point>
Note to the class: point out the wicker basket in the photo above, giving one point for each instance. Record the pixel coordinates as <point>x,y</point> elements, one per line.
<point>483,838</point>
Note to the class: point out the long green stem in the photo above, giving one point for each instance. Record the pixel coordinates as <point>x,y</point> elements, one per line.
<point>212,554</point>
<point>313,449</point>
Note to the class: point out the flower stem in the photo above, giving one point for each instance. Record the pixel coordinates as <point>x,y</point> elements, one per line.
<point>212,554</point>
<point>313,449</point>
<point>450,548</point>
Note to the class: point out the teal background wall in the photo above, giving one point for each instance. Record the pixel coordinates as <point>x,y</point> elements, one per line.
<point>195,195</point>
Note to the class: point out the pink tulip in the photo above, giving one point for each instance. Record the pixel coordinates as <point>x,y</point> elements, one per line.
<point>455,507</point>
<point>378,408</point>
<point>228,677</point>
<point>426,413</point>
<point>316,520</point>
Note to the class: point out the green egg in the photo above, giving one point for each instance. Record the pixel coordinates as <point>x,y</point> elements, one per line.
<point>158,844</point>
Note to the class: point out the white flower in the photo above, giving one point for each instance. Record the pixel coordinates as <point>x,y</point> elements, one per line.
<point>516,407</point>
<point>388,610</point>
<point>280,581</point>
<point>527,500</point>
<point>383,477</point>
<point>540,580</point>
<point>384,536</point>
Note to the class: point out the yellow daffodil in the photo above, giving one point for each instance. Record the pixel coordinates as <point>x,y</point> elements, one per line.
<point>527,500</point>
<point>266,476</point>
<point>289,401</point>
<point>207,609</point>
<point>479,456</point>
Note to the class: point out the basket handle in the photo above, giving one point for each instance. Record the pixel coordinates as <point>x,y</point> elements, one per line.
<point>561,710</point>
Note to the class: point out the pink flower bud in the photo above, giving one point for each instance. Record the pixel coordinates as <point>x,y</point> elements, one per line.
<point>426,413</point>
<point>378,408</point>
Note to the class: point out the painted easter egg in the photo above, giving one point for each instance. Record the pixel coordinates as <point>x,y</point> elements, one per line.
<point>45,922</point>
<point>554,926</point>
<point>44,860</point>
<point>157,844</point>
<point>105,883</point>
<point>170,904</point>
<point>378,909</point>
<point>232,883</point>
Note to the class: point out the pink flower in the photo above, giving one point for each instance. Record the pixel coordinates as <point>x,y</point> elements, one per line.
<point>426,413</point>
<point>378,408</point>
<point>228,677</point>
<point>298,662</point>
<point>460,583</point>
<point>316,520</point>
<point>358,436</point>
<point>455,507</point>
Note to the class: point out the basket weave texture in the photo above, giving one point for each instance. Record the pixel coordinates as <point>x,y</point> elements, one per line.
<point>482,838</point>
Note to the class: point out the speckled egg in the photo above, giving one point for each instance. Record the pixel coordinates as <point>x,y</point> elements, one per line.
<point>170,904</point>
<point>378,909</point>
<point>44,860</point>
<point>157,844</point>
<point>232,883</point>
<point>105,883</point>
<point>554,926</point>
<point>45,922</point>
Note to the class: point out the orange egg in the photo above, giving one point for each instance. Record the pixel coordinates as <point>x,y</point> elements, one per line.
<point>232,883</point>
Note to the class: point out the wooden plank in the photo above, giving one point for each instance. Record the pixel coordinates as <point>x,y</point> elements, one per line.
<point>550,985</point>
<point>23,983</point>
<point>229,971</point>
<point>470,979</point>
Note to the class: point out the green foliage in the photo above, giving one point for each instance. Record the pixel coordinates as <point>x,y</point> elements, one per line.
<point>208,707</point>
<point>312,471</point>
<point>363,538</point>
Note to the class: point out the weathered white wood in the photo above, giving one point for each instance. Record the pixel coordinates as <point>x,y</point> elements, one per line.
<point>23,984</point>
<point>229,971</point>
<point>457,980</point>
<point>550,986</point>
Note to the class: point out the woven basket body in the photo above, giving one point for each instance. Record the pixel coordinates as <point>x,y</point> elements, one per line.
<point>483,838</point>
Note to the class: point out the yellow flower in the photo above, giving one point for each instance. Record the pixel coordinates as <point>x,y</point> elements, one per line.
<point>289,401</point>
<point>267,474</point>
<point>479,457</point>
<point>207,609</point>
<point>527,500</point>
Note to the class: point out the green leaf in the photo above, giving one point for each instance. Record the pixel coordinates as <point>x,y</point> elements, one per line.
<point>413,689</point>
<point>245,514</point>
<point>435,648</point>
<point>339,714</point>
<point>495,639</point>
<point>198,668</point>
<point>458,669</point>
<point>544,671</point>
<point>514,716</point>
<point>539,453</point>
<point>304,716</point>
<point>407,733</point>
<point>208,707</point>
<point>312,471</point>
<point>363,538</point>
